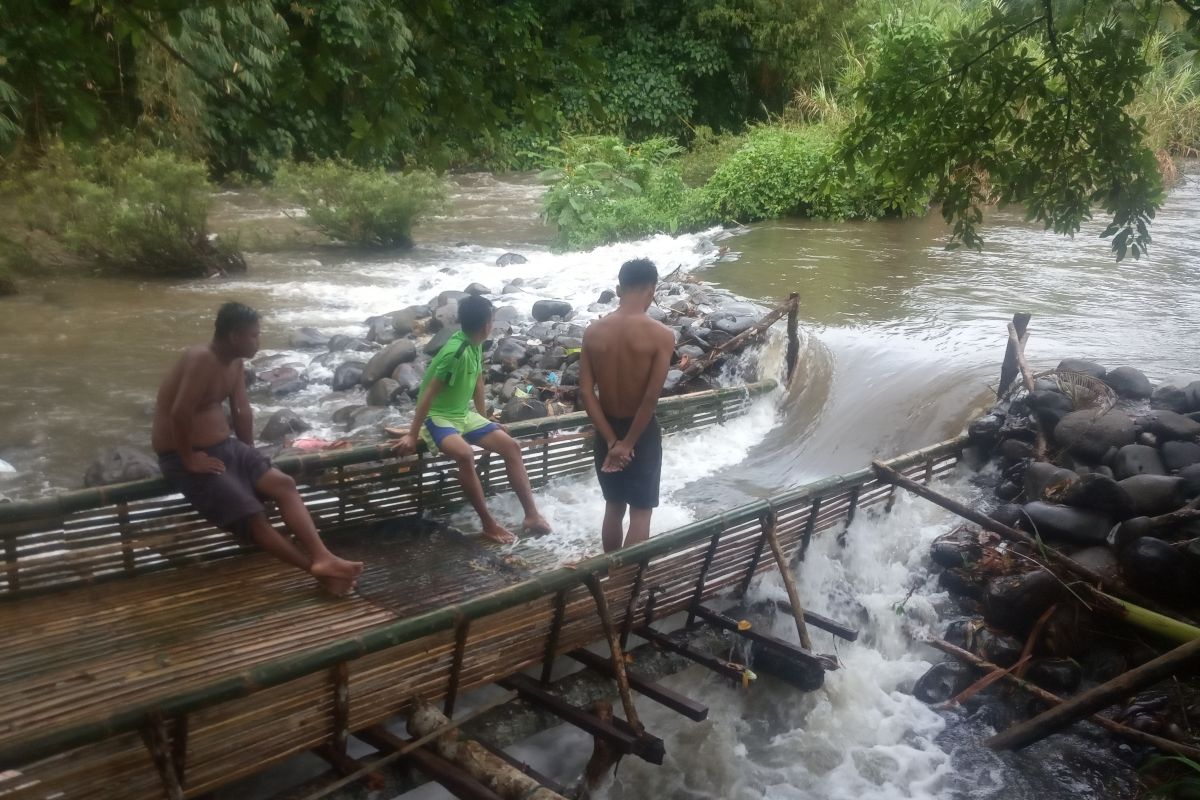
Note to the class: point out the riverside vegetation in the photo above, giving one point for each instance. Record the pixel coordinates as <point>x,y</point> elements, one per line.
<point>645,117</point>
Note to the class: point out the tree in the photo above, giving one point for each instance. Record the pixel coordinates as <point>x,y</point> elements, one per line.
<point>1030,105</point>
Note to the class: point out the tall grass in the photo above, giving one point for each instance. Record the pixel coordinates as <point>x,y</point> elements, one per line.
<point>1169,101</point>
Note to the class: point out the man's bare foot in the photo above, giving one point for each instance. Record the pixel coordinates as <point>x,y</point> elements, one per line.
<point>338,587</point>
<point>498,533</point>
<point>336,574</point>
<point>535,525</point>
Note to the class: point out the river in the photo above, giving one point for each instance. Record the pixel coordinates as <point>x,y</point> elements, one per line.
<point>901,340</point>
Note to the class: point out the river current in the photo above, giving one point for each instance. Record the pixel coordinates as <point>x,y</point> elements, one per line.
<point>901,340</point>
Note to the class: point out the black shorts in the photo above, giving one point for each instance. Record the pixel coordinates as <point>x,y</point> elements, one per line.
<point>227,500</point>
<point>636,485</point>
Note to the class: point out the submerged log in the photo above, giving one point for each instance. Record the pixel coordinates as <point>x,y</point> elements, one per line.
<point>475,759</point>
<point>1102,696</point>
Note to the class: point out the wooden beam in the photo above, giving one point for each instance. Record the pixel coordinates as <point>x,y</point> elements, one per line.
<point>673,700</point>
<point>789,581</point>
<point>522,767</point>
<point>796,652</point>
<point>735,672</point>
<point>457,782</point>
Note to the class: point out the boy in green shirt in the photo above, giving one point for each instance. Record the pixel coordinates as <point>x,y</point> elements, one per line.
<point>445,421</point>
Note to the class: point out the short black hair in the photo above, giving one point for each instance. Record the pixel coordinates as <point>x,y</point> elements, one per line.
<point>474,313</point>
<point>638,273</point>
<point>234,317</point>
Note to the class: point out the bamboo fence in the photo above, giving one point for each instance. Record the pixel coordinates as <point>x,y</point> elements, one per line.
<point>179,682</point>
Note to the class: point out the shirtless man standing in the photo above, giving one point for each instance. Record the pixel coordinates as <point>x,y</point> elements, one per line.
<point>222,476</point>
<point>626,356</point>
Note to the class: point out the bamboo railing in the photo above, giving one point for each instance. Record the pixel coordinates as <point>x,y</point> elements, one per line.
<point>276,685</point>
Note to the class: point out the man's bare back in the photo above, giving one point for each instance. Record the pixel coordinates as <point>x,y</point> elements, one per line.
<point>622,349</point>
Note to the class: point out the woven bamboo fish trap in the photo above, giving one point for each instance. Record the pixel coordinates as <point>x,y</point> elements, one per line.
<point>147,655</point>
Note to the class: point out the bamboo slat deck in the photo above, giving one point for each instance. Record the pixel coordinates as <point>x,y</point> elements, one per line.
<point>238,663</point>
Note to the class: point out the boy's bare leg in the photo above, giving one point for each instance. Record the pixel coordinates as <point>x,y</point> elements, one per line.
<point>612,531</point>
<point>507,448</point>
<point>639,525</point>
<point>456,447</point>
<point>274,543</point>
<point>323,564</point>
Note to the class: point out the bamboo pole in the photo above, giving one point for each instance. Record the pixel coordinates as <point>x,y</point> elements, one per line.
<point>1124,731</point>
<point>789,582</point>
<point>615,651</point>
<point>1102,696</point>
<point>1008,370</point>
<point>793,336</point>
<point>1056,558</point>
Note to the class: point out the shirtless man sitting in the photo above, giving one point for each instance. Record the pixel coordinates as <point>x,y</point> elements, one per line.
<point>626,356</point>
<point>223,477</point>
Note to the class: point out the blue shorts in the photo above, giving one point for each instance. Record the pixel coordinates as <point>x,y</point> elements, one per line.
<point>472,426</point>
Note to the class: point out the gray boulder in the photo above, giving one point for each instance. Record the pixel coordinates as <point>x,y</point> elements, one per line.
<point>1159,570</point>
<point>342,415</point>
<point>340,342</point>
<point>367,415</point>
<point>943,681</point>
<point>1100,493</point>
<point>606,297</point>
<point>1041,476</point>
<point>1082,365</point>
<point>1177,455</point>
<point>283,423</point>
<point>307,338</point>
<point>520,409</point>
<point>381,392</point>
<point>1066,524</point>
<point>732,322</point>
<point>1050,406</point>
<point>444,317</point>
<point>381,330</point>
<point>544,310</point>
<point>348,375</point>
<point>120,464</point>
<point>448,297</point>
<point>1191,480</point>
<point>1089,434</point>
<point>478,289</point>
<point>1154,494</point>
<point>1137,459</point>
<point>1129,383</point>
<point>671,383</point>
<point>1170,425</point>
<point>1170,397</point>
<point>408,379</point>
<point>1099,559</point>
<point>439,340</point>
<point>1014,602</point>
<point>509,353</point>
<point>386,360</point>
<point>406,322</point>
<point>510,258</point>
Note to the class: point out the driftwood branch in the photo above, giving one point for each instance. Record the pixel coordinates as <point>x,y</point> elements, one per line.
<point>1089,576</point>
<point>1124,731</point>
<point>1008,369</point>
<point>741,340</point>
<point>1093,700</point>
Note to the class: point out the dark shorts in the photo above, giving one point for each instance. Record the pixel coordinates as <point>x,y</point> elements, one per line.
<point>227,500</point>
<point>637,484</point>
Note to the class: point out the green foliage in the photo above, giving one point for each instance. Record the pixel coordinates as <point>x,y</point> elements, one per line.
<point>368,207</point>
<point>128,211</point>
<point>1168,104</point>
<point>707,152</point>
<point>1024,108</point>
<point>783,171</point>
<point>1186,783</point>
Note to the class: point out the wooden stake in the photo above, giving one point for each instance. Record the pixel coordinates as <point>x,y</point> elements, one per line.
<point>1016,342</point>
<point>1102,696</point>
<point>1009,369</point>
<point>789,582</point>
<point>1056,558</point>
<point>1132,734</point>
<point>793,337</point>
<point>155,737</point>
<point>618,655</point>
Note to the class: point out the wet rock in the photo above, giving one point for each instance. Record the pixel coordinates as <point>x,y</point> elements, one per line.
<point>381,392</point>
<point>1177,455</point>
<point>570,375</point>
<point>1015,450</point>
<point>367,415</point>
<point>732,323</point>
<point>408,379</point>
<point>281,381</point>
<point>983,429</point>
<point>1137,459</point>
<point>943,681</point>
<point>520,409</point>
<point>327,361</point>
<point>511,288</point>
<point>1082,365</point>
<point>1168,425</point>
<point>554,358</point>
<point>1066,524</point>
<point>671,383</point>
<point>998,648</point>
<point>1042,476</point>
<point>341,342</point>
<point>606,297</point>
<point>1129,383</point>
<point>1099,559</point>
<point>307,338</point>
<point>348,375</point>
<point>407,322</point>
<point>386,360</point>
<point>439,340</point>
<point>1158,569</point>
<point>1103,662</point>
<point>1008,491</point>
<point>544,310</point>
<point>1169,397</point>
<point>381,330</point>
<point>960,583</point>
<point>1058,675</point>
<point>510,353</point>
<point>1014,602</point>
<point>1154,494</point>
<point>1147,438</point>
<point>509,259</point>
<point>448,297</point>
<point>342,415</point>
<point>690,351</point>
<point>1089,433</point>
<point>1050,406</point>
<point>283,423</point>
<point>1191,481</point>
<point>1008,514</point>
<point>1130,531</point>
<point>444,316</point>
<point>120,464</point>
<point>959,548</point>
<point>1100,493</point>
<point>478,289</point>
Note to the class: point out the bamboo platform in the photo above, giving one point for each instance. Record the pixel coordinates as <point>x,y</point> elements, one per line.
<point>121,678</point>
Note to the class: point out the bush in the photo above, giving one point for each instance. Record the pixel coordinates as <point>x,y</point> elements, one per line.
<point>706,154</point>
<point>362,206</point>
<point>128,211</point>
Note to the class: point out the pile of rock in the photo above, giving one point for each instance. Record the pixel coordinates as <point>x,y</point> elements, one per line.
<point>531,361</point>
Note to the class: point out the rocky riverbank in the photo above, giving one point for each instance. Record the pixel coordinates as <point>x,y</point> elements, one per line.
<point>1103,467</point>
<point>531,365</point>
